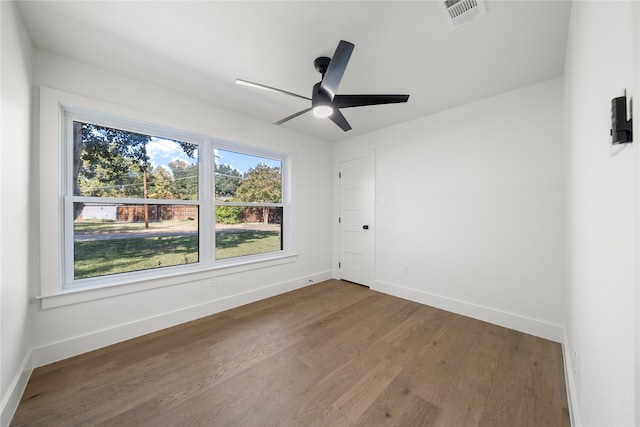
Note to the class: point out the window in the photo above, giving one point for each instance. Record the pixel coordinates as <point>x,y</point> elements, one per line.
<point>134,202</point>
<point>142,202</point>
<point>248,200</point>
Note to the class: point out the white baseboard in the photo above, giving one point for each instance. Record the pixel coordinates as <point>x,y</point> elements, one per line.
<point>536,327</point>
<point>97,339</point>
<point>570,384</point>
<point>11,399</point>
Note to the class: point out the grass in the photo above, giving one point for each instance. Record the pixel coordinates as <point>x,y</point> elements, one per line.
<point>247,242</point>
<point>147,249</point>
<point>98,227</point>
<point>103,257</point>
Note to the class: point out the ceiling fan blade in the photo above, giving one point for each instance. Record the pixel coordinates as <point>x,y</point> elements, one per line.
<point>269,88</point>
<point>336,68</point>
<point>346,101</point>
<point>293,116</point>
<point>340,120</point>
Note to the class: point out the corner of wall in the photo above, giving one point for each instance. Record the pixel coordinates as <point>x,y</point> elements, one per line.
<point>12,398</point>
<point>536,327</point>
<point>569,378</point>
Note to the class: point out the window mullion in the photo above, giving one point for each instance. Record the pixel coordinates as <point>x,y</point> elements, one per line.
<point>206,195</point>
<point>133,201</point>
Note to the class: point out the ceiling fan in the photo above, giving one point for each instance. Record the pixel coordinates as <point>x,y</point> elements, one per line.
<point>324,100</point>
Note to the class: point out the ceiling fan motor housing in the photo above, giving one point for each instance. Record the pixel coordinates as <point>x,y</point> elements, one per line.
<point>321,102</point>
<point>321,64</point>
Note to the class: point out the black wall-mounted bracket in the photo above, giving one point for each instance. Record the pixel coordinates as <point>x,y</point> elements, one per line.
<point>621,127</point>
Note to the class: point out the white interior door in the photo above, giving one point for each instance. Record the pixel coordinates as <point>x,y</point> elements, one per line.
<point>356,186</point>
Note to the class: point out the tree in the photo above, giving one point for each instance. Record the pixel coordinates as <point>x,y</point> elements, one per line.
<point>160,183</point>
<point>261,184</point>
<point>108,154</point>
<point>112,162</point>
<point>185,180</point>
<point>228,180</point>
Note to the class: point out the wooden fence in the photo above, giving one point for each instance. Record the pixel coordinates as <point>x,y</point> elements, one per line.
<point>157,213</point>
<point>135,213</point>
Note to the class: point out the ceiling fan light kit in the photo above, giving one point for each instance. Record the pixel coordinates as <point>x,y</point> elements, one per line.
<point>324,100</point>
<point>322,111</point>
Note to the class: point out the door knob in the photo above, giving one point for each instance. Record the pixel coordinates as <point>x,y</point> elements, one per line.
<point>365,227</point>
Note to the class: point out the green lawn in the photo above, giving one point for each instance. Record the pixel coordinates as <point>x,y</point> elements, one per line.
<point>102,257</point>
<point>248,242</point>
<point>99,227</point>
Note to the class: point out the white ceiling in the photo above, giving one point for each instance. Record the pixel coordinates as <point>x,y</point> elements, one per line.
<point>199,49</point>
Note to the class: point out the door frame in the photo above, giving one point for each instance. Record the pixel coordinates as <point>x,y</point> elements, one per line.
<point>370,154</point>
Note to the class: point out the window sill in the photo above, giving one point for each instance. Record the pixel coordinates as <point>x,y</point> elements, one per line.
<point>108,290</point>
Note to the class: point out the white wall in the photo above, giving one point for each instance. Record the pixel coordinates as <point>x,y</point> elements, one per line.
<point>602,60</point>
<point>63,331</point>
<point>16,248</point>
<point>473,202</point>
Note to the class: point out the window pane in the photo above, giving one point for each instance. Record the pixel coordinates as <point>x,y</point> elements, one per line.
<point>244,231</point>
<point>110,162</point>
<point>244,178</point>
<point>112,238</point>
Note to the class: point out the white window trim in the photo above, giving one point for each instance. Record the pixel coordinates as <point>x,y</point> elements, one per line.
<point>71,114</point>
<point>52,151</point>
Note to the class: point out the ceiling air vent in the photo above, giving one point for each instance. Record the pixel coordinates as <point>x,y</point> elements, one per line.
<point>460,11</point>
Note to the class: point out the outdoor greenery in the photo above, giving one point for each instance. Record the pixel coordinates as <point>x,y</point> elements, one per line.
<point>262,184</point>
<point>110,162</point>
<point>98,227</point>
<point>228,180</point>
<point>229,214</point>
<point>110,256</point>
<point>115,163</point>
<point>246,242</point>
<point>119,253</point>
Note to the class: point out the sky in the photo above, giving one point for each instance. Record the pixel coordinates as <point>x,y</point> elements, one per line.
<point>242,162</point>
<point>161,152</point>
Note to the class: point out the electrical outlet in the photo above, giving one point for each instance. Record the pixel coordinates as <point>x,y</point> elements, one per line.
<point>405,267</point>
<point>575,362</point>
<point>213,282</point>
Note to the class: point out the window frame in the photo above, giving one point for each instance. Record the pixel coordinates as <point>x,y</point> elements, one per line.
<point>58,110</point>
<point>267,154</point>
<point>70,115</point>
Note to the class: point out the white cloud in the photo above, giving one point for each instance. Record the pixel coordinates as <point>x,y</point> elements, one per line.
<point>161,152</point>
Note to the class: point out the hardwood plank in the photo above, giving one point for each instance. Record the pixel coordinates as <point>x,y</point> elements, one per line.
<point>319,400</point>
<point>419,413</point>
<point>229,400</point>
<point>356,322</point>
<point>331,354</point>
<point>390,406</point>
<point>473,385</point>
<point>355,401</point>
<point>420,349</point>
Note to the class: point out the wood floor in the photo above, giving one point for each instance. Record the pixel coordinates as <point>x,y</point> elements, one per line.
<point>332,354</point>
